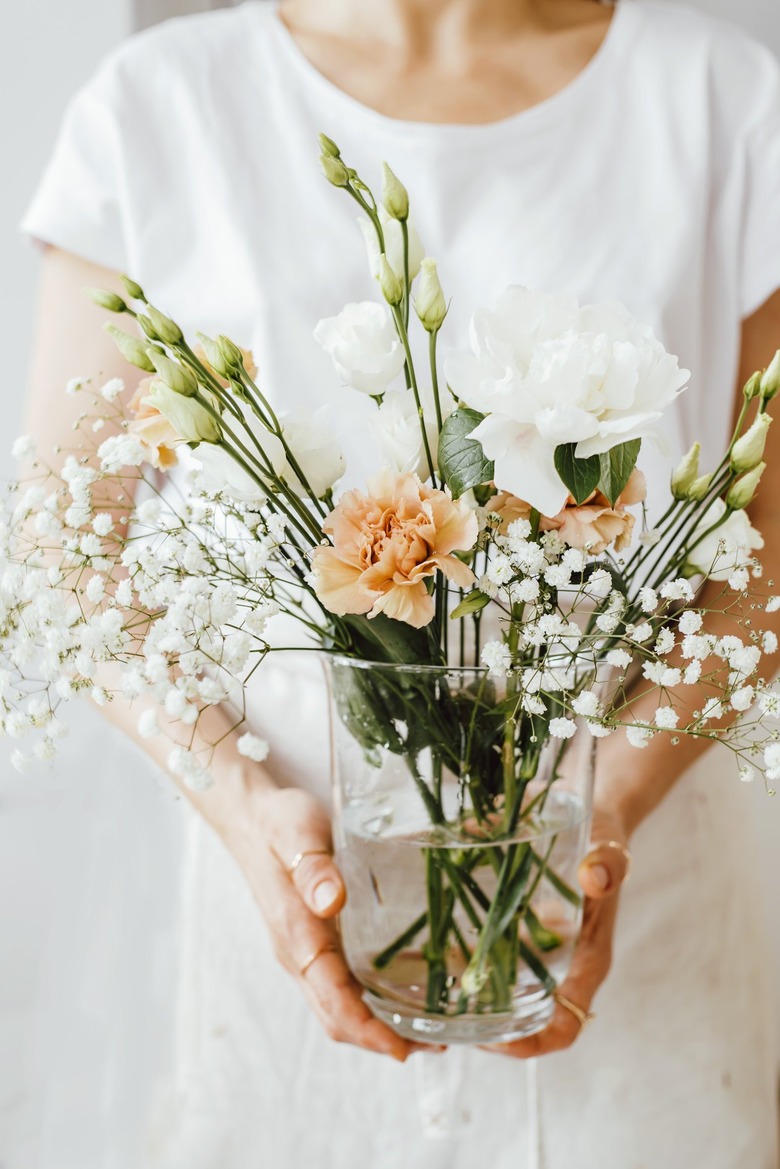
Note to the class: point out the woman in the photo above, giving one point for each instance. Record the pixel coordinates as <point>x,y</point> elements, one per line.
<point>630,154</point>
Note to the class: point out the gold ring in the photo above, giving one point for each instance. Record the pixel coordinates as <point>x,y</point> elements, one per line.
<point>296,860</point>
<point>583,1017</point>
<point>328,948</point>
<point>621,848</point>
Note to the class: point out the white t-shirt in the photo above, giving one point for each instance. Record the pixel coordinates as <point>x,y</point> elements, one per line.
<point>191,162</point>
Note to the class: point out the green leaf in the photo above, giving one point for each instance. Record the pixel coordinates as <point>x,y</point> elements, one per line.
<point>473,603</point>
<point>616,467</point>
<point>581,476</point>
<point>462,462</point>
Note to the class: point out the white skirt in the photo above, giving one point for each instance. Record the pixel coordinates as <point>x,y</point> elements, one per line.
<point>677,1071</point>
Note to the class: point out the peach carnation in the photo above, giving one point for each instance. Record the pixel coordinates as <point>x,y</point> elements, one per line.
<point>387,543</point>
<point>152,429</point>
<point>593,525</point>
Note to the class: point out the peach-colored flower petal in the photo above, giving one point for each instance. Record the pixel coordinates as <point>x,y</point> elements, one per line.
<point>338,584</point>
<point>410,603</point>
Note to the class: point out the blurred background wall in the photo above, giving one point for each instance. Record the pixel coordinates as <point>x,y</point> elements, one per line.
<point>89,853</point>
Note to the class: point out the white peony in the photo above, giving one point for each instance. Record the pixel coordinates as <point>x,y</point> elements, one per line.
<point>396,430</point>
<point>546,371</point>
<point>363,346</point>
<point>727,548</point>
<point>394,245</point>
<point>219,471</point>
<point>315,449</point>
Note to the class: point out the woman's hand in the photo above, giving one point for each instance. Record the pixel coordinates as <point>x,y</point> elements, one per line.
<point>601,875</point>
<point>299,905</point>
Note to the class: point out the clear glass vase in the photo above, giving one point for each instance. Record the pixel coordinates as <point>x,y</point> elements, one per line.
<point>459,826</point>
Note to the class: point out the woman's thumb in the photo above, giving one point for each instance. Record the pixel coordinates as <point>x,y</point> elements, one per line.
<point>604,869</point>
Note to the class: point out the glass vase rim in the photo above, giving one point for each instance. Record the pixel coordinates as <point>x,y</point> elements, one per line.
<point>410,667</point>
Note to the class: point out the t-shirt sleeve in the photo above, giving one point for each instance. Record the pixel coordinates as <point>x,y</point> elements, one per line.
<point>78,205</point>
<point>760,254</point>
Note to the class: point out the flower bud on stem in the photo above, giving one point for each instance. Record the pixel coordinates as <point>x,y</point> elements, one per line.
<point>107,300</point>
<point>741,493</point>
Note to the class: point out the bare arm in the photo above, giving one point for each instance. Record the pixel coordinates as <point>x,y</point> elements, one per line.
<point>264,826</point>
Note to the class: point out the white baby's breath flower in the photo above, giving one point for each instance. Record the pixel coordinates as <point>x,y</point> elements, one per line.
<point>692,673</point>
<point>497,657</point>
<point>96,589</point>
<point>533,704</point>
<point>112,389</point>
<point>769,703</point>
<point>666,719</point>
<point>102,523</point>
<point>619,658</point>
<point>677,590</point>
<point>664,642</point>
<point>772,605</point>
<point>641,633</point>
<point>713,709</point>
<point>648,599</point>
<point>739,580</point>
<point>586,704</point>
<point>747,773</point>
<point>23,448</point>
<point>526,591</point>
<point>253,747</point>
<point>98,425</point>
<point>562,728</point>
<point>690,621</point>
<point>598,730</point>
<point>638,737</point>
<point>148,725</point>
<point>187,766</point>
<point>75,384</point>
<point>519,529</point>
<point>769,642</point>
<point>124,592</point>
<point>650,538</point>
<point>120,450</point>
<point>742,699</point>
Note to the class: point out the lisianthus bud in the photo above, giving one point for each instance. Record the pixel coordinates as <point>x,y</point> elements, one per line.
<point>167,330</point>
<point>191,421</point>
<point>752,387</point>
<point>429,302</point>
<point>215,356</point>
<point>334,170</point>
<point>749,449</point>
<point>134,291</point>
<point>133,349</point>
<point>770,381</point>
<point>394,195</point>
<point>392,290</point>
<point>231,353</point>
<point>741,493</point>
<point>699,488</point>
<point>176,377</point>
<point>328,146</point>
<point>108,300</point>
<point>686,473</point>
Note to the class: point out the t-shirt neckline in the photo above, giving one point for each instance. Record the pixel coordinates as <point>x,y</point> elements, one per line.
<point>611,49</point>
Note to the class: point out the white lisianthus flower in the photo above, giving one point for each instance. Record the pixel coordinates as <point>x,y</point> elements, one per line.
<point>545,371</point>
<point>363,346</point>
<point>394,245</point>
<point>316,450</point>
<point>220,473</point>
<point>729,547</point>
<point>396,430</point>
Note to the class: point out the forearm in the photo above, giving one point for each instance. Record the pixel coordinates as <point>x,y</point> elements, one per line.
<point>634,782</point>
<point>233,803</point>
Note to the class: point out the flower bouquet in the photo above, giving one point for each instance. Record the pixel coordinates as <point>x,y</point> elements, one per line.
<point>487,606</point>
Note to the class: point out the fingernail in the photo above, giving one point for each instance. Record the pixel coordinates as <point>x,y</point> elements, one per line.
<point>599,875</point>
<point>324,895</point>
